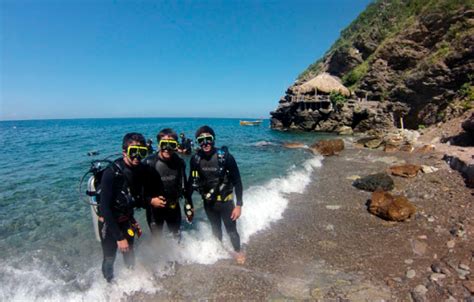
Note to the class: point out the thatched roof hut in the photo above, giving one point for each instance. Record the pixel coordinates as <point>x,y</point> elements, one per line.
<point>325,83</point>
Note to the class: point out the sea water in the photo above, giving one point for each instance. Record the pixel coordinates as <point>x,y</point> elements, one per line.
<point>48,249</point>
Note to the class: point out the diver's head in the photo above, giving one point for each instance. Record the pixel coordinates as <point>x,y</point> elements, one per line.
<point>134,148</point>
<point>167,143</point>
<point>205,137</point>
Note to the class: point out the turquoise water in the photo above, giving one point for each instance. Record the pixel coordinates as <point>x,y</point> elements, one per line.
<point>44,226</point>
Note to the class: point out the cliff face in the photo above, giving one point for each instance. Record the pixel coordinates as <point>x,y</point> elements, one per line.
<point>413,58</point>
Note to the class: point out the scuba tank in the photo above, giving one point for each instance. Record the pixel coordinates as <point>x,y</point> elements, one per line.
<point>96,169</point>
<point>92,193</point>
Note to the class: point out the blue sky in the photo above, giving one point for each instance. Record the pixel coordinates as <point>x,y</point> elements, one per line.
<point>79,59</point>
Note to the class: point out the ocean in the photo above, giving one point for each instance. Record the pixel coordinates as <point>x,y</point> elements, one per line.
<point>48,248</point>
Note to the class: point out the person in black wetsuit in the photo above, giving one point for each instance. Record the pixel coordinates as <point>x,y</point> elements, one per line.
<point>214,173</point>
<point>122,189</point>
<point>171,176</point>
<point>149,145</point>
<point>186,145</point>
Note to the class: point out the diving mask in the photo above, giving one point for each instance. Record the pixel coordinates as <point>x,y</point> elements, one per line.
<point>168,144</point>
<point>138,152</point>
<point>205,140</point>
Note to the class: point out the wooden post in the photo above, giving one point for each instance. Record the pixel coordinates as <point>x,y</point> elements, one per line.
<point>401,121</point>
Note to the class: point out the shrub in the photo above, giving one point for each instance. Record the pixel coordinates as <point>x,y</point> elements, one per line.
<point>467,91</point>
<point>337,99</point>
<point>353,76</point>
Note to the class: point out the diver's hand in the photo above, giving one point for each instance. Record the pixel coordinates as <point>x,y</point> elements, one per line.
<point>123,245</point>
<point>189,218</point>
<point>236,213</point>
<point>138,228</point>
<point>158,202</point>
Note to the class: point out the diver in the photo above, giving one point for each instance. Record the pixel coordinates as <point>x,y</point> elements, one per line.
<point>186,145</point>
<point>149,145</point>
<point>215,175</point>
<point>170,174</point>
<point>122,189</point>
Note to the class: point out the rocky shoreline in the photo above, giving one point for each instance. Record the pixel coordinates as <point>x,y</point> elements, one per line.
<point>328,246</point>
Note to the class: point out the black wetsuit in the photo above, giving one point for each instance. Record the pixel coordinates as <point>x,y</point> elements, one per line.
<point>220,204</point>
<point>121,190</point>
<point>170,175</point>
<point>186,144</point>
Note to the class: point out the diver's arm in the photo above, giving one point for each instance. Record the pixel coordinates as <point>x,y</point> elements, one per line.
<point>107,198</point>
<point>234,176</point>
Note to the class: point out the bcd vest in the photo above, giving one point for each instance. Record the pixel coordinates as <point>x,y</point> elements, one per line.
<point>212,173</point>
<point>171,174</point>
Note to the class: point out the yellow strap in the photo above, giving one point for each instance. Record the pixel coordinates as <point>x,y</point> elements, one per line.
<point>227,198</point>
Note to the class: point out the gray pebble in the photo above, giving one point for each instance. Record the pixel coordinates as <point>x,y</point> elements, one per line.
<point>435,267</point>
<point>464,266</point>
<point>445,271</point>
<point>411,274</point>
<point>397,279</point>
<point>450,244</point>
<point>436,277</point>
<point>420,289</point>
<point>462,273</point>
<point>408,261</point>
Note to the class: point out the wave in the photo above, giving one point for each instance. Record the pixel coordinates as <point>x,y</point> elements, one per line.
<point>263,205</point>
<point>264,144</point>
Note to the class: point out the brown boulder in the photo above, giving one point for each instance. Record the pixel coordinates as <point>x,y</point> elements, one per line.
<point>371,142</point>
<point>386,206</point>
<point>407,170</point>
<point>328,147</point>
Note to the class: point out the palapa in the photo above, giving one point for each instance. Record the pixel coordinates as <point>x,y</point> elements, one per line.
<point>325,83</point>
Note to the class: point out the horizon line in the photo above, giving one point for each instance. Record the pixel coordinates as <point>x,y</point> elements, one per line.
<point>124,117</point>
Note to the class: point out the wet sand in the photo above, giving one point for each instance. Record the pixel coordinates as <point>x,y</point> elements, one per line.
<point>329,247</point>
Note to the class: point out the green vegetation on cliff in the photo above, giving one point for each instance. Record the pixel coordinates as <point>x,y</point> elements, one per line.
<point>380,21</point>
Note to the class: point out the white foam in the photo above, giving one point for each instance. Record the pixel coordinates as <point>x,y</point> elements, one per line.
<point>263,144</point>
<point>264,205</point>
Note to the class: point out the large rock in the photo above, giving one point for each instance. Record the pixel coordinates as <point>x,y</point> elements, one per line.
<point>407,170</point>
<point>387,206</point>
<point>372,182</point>
<point>328,147</point>
<point>345,130</point>
<point>468,125</point>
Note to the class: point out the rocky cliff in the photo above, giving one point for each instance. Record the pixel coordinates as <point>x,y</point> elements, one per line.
<point>403,61</point>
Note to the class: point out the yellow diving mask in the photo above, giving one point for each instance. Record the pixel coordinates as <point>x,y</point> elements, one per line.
<point>168,144</point>
<point>138,152</point>
<point>205,139</point>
